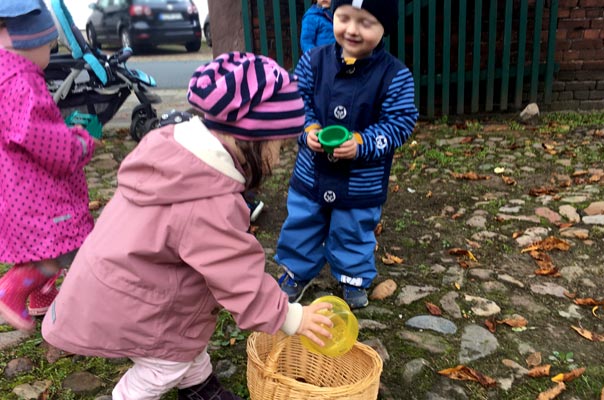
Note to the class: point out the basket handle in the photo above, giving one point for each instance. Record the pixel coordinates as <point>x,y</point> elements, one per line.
<point>273,356</point>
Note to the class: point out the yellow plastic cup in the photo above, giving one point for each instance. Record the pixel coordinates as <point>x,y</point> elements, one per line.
<point>333,136</point>
<point>344,332</point>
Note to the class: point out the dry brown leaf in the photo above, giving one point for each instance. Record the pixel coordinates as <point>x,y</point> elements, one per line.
<point>464,373</point>
<point>594,337</point>
<point>534,359</point>
<point>429,194</point>
<point>602,394</point>
<point>433,309</point>
<point>467,264</point>
<point>378,229</point>
<point>517,322</point>
<point>508,180</point>
<point>94,205</point>
<point>547,244</point>
<point>456,251</point>
<point>491,325</point>
<point>470,176</point>
<point>395,189</point>
<point>517,234</point>
<point>588,302</point>
<point>569,376</point>
<point>383,290</point>
<point>390,259</point>
<point>552,393</point>
<point>542,191</point>
<point>539,371</point>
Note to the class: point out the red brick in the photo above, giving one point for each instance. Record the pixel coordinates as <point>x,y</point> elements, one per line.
<point>590,3</point>
<point>587,44</point>
<point>594,13</point>
<point>564,13</point>
<point>575,24</point>
<point>592,33</point>
<point>578,13</point>
<point>568,3</point>
<point>574,34</point>
<point>561,34</point>
<point>597,23</point>
<point>596,65</point>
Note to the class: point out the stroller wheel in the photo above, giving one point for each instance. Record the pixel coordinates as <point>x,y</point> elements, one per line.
<point>144,118</point>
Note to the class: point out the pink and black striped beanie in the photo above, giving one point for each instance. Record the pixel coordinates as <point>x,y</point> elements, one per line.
<point>249,96</point>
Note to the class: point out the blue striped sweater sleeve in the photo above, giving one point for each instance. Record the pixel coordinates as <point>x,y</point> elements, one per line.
<point>305,86</point>
<point>396,122</point>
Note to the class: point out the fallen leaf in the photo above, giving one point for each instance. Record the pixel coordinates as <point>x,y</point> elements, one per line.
<point>534,359</point>
<point>491,325</point>
<point>383,290</point>
<point>517,234</point>
<point>517,322</point>
<point>464,373</point>
<point>395,189</point>
<point>547,244</point>
<point>457,285</point>
<point>94,205</point>
<point>470,176</point>
<point>462,252</point>
<point>602,394</point>
<point>542,191</point>
<point>593,311</point>
<point>378,229</point>
<point>390,259</point>
<point>594,337</point>
<point>508,180</point>
<point>569,376</point>
<point>429,194</point>
<point>433,309</point>
<point>552,393</point>
<point>539,371</point>
<point>588,302</point>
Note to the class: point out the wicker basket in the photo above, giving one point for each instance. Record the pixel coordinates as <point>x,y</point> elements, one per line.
<point>280,368</point>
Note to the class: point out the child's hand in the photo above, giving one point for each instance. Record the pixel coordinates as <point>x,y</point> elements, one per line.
<point>347,150</point>
<point>312,140</point>
<point>314,324</point>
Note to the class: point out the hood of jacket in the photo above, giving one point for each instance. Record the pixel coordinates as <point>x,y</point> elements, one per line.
<point>179,163</point>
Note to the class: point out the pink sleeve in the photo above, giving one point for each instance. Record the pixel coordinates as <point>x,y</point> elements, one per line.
<point>216,243</point>
<point>40,130</point>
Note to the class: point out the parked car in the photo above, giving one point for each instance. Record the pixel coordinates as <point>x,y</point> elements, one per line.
<point>206,31</point>
<point>138,23</point>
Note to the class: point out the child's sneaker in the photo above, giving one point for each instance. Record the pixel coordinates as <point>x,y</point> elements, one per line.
<point>294,289</point>
<point>41,299</point>
<point>356,297</point>
<point>210,389</point>
<point>255,209</point>
<point>15,287</point>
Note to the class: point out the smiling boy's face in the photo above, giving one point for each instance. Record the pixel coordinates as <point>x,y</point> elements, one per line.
<point>357,31</point>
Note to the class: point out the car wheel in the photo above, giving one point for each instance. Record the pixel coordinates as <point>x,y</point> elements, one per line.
<point>92,39</point>
<point>125,38</point>
<point>193,46</point>
<point>207,34</point>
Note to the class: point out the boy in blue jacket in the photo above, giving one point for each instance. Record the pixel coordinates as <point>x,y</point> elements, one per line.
<point>335,200</point>
<point>317,26</point>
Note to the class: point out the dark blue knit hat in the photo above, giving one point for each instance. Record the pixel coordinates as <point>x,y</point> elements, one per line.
<point>28,23</point>
<point>385,11</point>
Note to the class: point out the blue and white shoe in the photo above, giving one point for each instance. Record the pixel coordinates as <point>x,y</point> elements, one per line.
<point>294,289</point>
<point>356,297</point>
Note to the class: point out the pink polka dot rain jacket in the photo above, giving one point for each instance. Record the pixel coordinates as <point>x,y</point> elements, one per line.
<point>43,191</point>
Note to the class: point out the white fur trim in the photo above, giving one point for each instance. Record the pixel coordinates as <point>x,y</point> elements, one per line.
<point>194,136</point>
<point>293,319</point>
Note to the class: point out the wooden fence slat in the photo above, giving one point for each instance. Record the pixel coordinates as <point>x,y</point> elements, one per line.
<point>461,57</point>
<point>417,49</point>
<point>293,23</point>
<point>446,73</point>
<point>536,51</point>
<point>476,55</point>
<point>278,33</point>
<point>492,45</point>
<point>505,59</point>
<point>521,53</point>
<point>551,47</point>
<point>431,58</point>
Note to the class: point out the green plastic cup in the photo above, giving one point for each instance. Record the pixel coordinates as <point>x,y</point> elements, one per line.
<point>333,136</point>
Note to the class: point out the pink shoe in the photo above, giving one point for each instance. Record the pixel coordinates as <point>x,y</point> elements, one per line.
<point>41,299</point>
<point>15,287</point>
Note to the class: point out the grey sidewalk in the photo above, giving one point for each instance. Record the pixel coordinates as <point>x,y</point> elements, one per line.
<point>171,99</point>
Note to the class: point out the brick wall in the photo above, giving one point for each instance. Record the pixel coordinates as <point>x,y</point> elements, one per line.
<point>579,83</point>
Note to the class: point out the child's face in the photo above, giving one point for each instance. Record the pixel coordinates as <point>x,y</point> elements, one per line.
<point>324,3</point>
<point>357,31</point>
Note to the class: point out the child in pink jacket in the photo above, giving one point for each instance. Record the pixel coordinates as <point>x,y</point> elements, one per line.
<point>172,246</point>
<point>44,215</point>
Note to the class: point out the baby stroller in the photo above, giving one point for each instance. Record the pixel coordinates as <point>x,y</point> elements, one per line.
<point>93,83</point>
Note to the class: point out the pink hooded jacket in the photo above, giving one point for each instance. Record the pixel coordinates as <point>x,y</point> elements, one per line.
<point>43,196</point>
<point>167,253</point>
